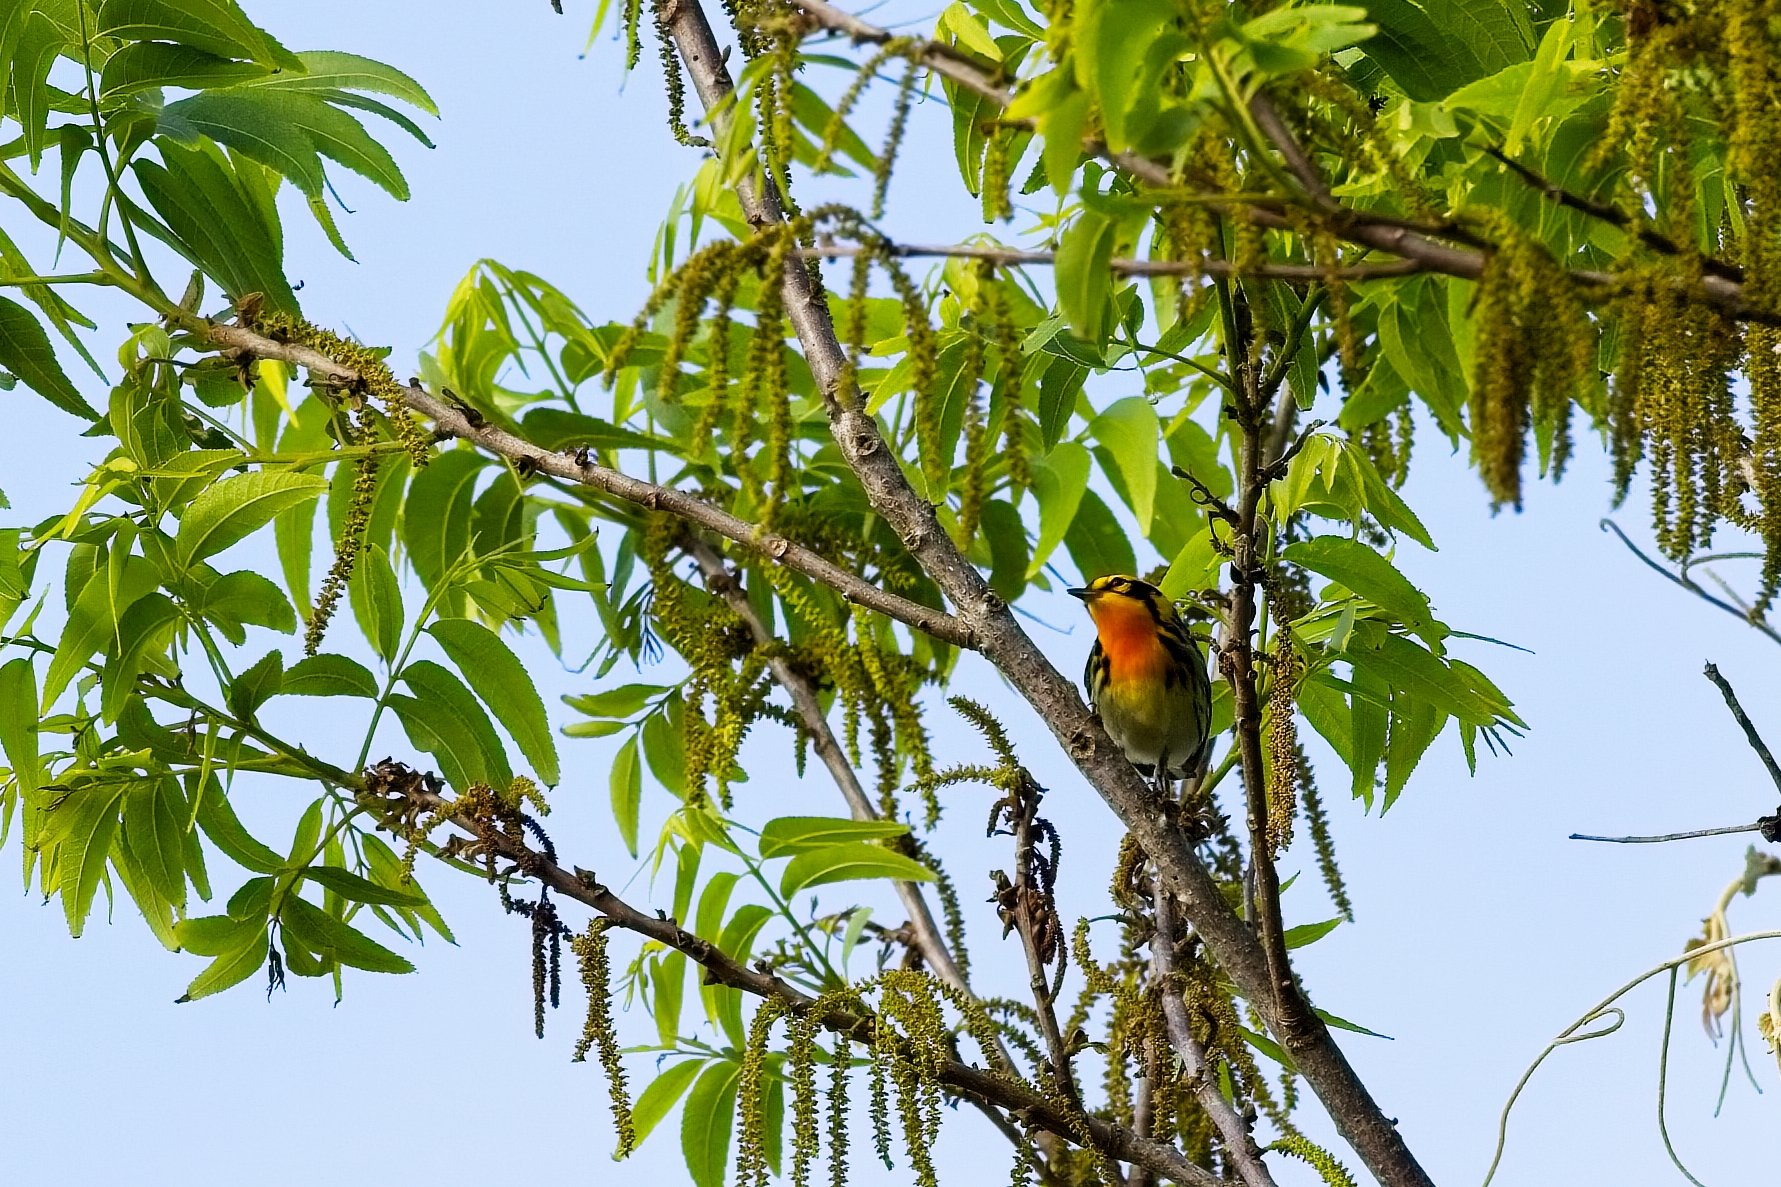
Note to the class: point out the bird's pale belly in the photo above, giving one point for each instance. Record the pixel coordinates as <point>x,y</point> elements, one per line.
<point>1149,720</point>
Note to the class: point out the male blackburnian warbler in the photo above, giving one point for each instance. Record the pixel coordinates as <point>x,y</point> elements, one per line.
<point>1146,678</point>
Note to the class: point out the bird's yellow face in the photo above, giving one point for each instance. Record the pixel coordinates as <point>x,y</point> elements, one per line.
<point>1126,612</point>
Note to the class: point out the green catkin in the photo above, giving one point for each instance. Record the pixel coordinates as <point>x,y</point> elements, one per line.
<point>996,169</point>
<point>673,81</point>
<point>1332,1172</point>
<point>1006,396</point>
<point>837,1116</point>
<point>1283,742</point>
<point>893,140</point>
<point>1535,349</point>
<point>717,363</point>
<point>751,1151</point>
<point>633,34</point>
<point>976,481</point>
<point>924,369</point>
<point>598,1032</point>
<point>800,1072</point>
<point>352,537</point>
<point>836,128</point>
<point>771,382</point>
<point>878,1088</point>
<point>697,277</point>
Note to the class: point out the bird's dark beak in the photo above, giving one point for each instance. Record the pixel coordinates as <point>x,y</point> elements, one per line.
<point>1084,593</point>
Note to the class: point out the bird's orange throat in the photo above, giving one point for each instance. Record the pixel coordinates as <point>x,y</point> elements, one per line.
<point>1129,637</point>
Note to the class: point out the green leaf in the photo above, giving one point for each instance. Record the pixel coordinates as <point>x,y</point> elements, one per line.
<point>84,824</point>
<point>216,816</point>
<point>327,936</point>
<point>1367,721</point>
<point>213,935</point>
<point>1414,726</point>
<point>660,1096</point>
<point>215,26</point>
<point>377,601</point>
<point>713,902</point>
<point>498,677</point>
<point>328,675</point>
<point>851,861</point>
<point>254,687</point>
<point>705,1124</point>
<point>326,70</point>
<point>799,834</point>
<point>1361,569</point>
<point>620,702</point>
<point>1310,933</point>
<point>25,351</point>
<point>18,722</point>
<point>1130,431</point>
<point>230,968</point>
<point>668,980</point>
<point>289,132</point>
<point>436,523</point>
<point>445,720</point>
<point>144,65</point>
<point>1059,482</point>
<point>221,216</point>
<point>627,792</point>
<point>93,622</point>
<point>1404,666</point>
<point>154,826</point>
<point>361,890</point>
<point>1083,291</point>
<point>236,507</point>
<point>1096,542</point>
<point>1432,47</point>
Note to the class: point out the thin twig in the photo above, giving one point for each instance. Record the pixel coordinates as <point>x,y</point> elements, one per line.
<point>1688,583</point>
<point>1119,266</point>
<point>1661,837</point>
<point>1755,739</point>
<point>1663,1078</point>
<point>1575,1033</point>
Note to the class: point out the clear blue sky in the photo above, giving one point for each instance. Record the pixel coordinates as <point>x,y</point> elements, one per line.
<point>1482,931</point>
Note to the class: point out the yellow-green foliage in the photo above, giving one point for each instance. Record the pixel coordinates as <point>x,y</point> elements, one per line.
<point>1721,60</point>
<point>1535,349</point>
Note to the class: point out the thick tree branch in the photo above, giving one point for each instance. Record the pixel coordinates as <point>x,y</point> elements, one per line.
<point>576,467</point>
<point>1021,1102</point>
<point>1000,637</point>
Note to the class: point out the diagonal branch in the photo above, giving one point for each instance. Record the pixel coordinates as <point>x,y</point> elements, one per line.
<point>577,467</point>
<point>1002,640</point>
<point>1015,1098</point>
